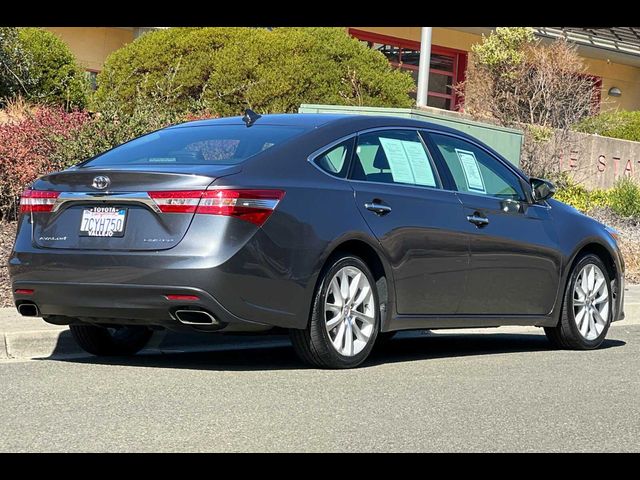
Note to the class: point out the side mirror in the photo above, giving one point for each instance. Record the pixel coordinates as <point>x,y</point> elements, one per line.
<point>541,189</point>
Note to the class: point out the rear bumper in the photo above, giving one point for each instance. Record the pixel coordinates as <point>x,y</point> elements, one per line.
<point>64,303</point>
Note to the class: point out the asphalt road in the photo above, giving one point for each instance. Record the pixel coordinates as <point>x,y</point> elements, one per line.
<point>454,392</point>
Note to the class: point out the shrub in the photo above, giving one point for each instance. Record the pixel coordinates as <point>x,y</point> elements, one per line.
<point>57,78</point>
<point>523,83</point>
<point>229,69</point>
<point>625,198</point>
<point>15,66</point>
<point>622,124</point>
<point>27,145</point>
<point>582,199</point>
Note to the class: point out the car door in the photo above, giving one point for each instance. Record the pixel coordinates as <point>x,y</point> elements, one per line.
<point>420,226</point>
<point>515,261</point>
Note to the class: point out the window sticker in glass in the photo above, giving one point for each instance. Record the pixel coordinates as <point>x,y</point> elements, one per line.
<point>471,170</point>
<point>408,162</point>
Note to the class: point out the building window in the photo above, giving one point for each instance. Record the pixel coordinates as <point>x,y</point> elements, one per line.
<point>446,69</point>
<point>92,78</point>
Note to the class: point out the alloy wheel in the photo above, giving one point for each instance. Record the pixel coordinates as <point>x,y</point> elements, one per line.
<point>349,311</point>
<point>591,302</point>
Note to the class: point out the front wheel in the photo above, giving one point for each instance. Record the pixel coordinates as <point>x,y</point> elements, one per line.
<point>120,340</point>
<point>344,319</point>
<point>587,309</point>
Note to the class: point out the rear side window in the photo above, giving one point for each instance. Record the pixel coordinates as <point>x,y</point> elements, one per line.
<point>335,161</point>
<point>197,145</point>
<point>393,156</point>
<point>475,171</point>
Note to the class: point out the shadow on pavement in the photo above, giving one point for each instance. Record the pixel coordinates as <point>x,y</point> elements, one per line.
<point>276,353</point>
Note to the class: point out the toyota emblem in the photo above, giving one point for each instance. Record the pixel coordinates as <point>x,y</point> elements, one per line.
<point>101,182</point>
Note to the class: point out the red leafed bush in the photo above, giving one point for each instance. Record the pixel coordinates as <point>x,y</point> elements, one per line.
<point>27,144</point>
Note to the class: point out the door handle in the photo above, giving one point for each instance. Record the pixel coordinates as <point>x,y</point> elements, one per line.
<point>377,208</point>
<point>478,220</point>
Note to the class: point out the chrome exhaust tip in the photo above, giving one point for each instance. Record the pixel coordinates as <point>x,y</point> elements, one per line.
<point>28,310</point>
<point>195,317</point>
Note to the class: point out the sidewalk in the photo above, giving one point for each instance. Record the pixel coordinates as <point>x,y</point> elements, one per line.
<point>27,337</point>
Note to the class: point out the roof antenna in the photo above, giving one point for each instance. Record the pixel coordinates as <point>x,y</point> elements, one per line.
<point>250,117</point>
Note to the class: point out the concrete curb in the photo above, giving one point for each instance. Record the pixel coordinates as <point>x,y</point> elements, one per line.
<point>24,338</point>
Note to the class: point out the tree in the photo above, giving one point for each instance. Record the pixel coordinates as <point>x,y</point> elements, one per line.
<point>228,69</point>
<point>15,74</point>
<point>520,82</point>
<point>56,77</point>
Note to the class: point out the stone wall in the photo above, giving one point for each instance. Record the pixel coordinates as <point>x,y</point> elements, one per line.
<point>597,162</point>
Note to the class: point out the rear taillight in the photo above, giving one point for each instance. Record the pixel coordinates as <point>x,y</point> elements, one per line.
<point>37,201</point>
<point>253,206</point>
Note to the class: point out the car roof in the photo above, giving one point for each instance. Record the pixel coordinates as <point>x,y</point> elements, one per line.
<point>316,120</point>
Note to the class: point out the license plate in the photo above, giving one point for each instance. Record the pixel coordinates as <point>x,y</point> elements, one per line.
<point>103,222</point>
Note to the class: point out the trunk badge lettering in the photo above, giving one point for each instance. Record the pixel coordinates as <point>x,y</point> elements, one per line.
<point>101,182</point>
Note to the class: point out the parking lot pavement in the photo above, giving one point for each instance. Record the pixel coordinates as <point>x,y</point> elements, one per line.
<point>431,392</point>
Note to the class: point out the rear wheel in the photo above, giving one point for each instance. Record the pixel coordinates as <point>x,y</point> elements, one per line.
<point>587,307</point>
<point>120,340</point>
<point>344,318</point>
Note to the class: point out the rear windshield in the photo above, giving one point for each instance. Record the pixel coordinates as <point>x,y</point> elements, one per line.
<point>197,145</point>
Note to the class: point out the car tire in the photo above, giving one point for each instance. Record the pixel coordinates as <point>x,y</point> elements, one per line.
<point>103,341</point>
<point>571,332</point>
<point>340,337</point>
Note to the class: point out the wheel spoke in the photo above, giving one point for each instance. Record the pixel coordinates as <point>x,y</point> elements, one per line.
<point>585,323</point>
<point>331,307</point>
<point>601,298</point>
<point>359,333</point>
<point>331,324</point>
<point>592,324</point>
<point>338,340</point>
<point>334,289</point>
<point>364,294</point>
<point>368,319</point>
<point>584,284</point>
<point>599,284</point>
<point>348,340</point>
<point>598,317</point>
<point>592,278</point>
<point>344,286</point>
<point>580,316</point>
<point>354,286</point>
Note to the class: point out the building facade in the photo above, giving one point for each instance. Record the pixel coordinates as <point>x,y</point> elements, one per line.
<point>612,55</point>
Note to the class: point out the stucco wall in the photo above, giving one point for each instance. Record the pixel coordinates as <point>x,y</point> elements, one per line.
<point>92,45</point>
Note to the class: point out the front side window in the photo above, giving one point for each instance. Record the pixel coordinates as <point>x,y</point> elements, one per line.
<point>196,145</point>
<point>475,171</point>
<point>393,156</point>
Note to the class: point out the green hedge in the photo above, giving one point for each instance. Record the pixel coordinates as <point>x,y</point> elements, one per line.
<point>57,77</point>
<point>623,124</point>
<point>623,198</point>
<point>227,69</point>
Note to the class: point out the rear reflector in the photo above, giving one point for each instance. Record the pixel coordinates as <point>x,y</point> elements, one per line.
<point>24,291</point>
<point>37,201</point>
<point>183,298</point>
<point>253,206</point>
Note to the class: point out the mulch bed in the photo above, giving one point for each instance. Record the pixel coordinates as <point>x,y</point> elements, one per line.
<point>7,235</point>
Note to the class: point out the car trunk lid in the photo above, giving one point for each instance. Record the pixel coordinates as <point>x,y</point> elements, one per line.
<point>91,202</point>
